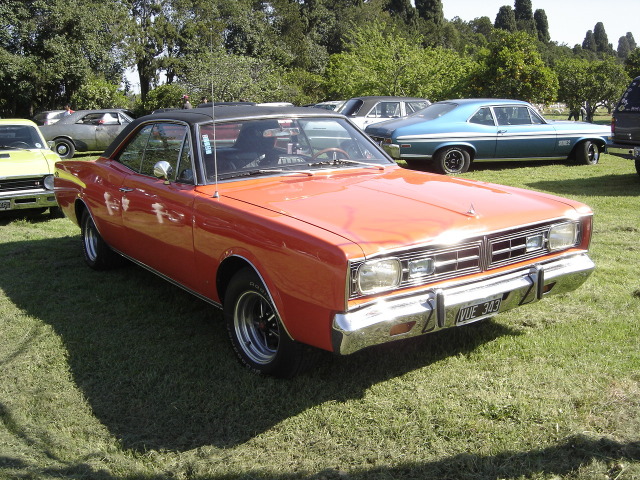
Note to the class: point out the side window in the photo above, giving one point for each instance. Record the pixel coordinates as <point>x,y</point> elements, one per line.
<point>165,144</point>
<point>385,110</point>
<point>535,118</point>
<point>109,119</point>
<point>413,107</point>
<point>513,115</point>
<point>483,117</point>
<point>133,153</point>
<point>91,119</point>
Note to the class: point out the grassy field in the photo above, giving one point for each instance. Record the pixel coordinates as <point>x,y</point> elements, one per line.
<point>120,375</point>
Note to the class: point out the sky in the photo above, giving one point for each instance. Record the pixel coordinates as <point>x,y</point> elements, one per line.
<point>568,20</point>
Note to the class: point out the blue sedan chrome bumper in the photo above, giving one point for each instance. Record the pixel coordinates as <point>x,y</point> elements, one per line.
<point>455,304</point>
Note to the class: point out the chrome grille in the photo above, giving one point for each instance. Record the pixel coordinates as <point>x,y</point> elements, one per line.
<point>16,184</point>
<point>474,255</point>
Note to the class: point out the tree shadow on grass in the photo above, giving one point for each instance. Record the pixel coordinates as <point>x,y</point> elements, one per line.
<point>155,363</point>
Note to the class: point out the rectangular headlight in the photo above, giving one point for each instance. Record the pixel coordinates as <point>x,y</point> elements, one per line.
<point>378,275</point>
<point>535,242</point>
<point>563,236</point>
<point>421,268</point>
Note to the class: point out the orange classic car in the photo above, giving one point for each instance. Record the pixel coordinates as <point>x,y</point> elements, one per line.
<point>309,237</point>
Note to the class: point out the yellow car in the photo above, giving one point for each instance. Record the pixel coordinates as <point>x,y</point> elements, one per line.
<point>26,167</point>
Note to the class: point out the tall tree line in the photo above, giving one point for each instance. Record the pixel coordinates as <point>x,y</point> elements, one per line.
<point>52,51</point>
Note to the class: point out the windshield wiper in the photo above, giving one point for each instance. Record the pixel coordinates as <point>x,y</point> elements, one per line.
<point>338,161</point>
<point>265,171</point>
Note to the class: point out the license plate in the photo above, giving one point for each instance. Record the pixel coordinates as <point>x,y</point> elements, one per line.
<point>478,311</point>
<point>5,204</point>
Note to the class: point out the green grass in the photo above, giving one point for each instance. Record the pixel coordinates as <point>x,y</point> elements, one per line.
<point>120,375</point>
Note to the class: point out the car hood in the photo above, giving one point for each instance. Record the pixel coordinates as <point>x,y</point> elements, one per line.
<point>396,208</point>
<point>17,163</point>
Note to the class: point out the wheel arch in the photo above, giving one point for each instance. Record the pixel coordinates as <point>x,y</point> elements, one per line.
<point>471,150</point>
<point>235,263</point>
<point>598,141</point>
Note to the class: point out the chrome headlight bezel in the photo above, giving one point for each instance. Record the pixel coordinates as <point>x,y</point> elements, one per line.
<point>563,236</point>
<point>47,182</point>
<point>379,275</point>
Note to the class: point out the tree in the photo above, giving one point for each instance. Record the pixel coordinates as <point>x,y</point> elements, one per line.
<point>601,39</point>
<point>49,49</point>
<point>632,63</point>
<point>511,67</point>
<point>590,83</point>
<point>430,10</point>
<point>524,16</point>
<point>542,26</point>
<point>98,93</point>
<point>623,48</point>
<point>506,19</point>
<point>380,61</point>
<point>589,42</point>
<point>630,39</point>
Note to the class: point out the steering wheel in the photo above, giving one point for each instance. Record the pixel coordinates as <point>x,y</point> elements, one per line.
<point>20,145</point>
<point>327,150</point>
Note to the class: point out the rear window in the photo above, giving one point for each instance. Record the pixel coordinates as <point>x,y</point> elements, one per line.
<point>630,101</point>
<point>351,107</point>
<point>434,110</point>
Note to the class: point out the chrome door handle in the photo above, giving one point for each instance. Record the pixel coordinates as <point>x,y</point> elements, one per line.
<point>125,190</point>
<point>502,131</point>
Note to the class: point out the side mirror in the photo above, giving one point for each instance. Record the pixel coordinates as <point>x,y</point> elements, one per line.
<point>163,170</point>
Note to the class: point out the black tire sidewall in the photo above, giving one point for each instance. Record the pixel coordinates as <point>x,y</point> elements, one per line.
<point>287,360</point>
<point>582,153</point>
<point>441,156</point>
<point>71,149</point>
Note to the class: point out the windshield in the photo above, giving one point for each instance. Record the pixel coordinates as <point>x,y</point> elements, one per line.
<point>434,111</point>
<point>19,136</point>
<point>265,145</point>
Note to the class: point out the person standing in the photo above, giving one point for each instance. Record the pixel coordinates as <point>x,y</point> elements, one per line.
<point>185,102</point>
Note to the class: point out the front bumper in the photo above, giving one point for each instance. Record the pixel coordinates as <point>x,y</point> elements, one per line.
<point>21,199</point>
<point>435,309</point>
<point>629,152</point>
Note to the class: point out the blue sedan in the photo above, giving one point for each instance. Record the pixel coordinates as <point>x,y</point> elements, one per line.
<point>447,136</point>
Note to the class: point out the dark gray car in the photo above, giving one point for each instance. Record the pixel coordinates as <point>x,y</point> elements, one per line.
<point>625,125</point>
<point>85,130</point>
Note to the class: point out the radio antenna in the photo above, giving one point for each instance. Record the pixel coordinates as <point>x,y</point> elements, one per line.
<point>216,194</point>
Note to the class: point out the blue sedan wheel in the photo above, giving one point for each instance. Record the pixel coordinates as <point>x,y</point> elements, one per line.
<point>452,160</point>
<point>587,153</point>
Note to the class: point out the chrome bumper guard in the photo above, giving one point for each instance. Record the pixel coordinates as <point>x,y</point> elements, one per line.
<point>435,309</point>
<point>629,152</point>
<point>21,199</point>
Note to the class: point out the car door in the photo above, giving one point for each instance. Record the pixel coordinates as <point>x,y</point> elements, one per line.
<point>83,131</point>
<point>522,133</point>
<point>107,128</point>
<point>157,213</point>
<point>484,133</point>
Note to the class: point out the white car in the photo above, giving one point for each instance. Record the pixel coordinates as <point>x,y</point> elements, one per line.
<point>364,111</point>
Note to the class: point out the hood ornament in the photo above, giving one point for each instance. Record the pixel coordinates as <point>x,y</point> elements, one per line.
<point>472,211</point>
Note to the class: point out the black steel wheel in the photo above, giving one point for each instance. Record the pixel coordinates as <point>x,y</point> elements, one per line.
<point>452,160</point>
<point>256,331</point>
<point>587,153</point>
